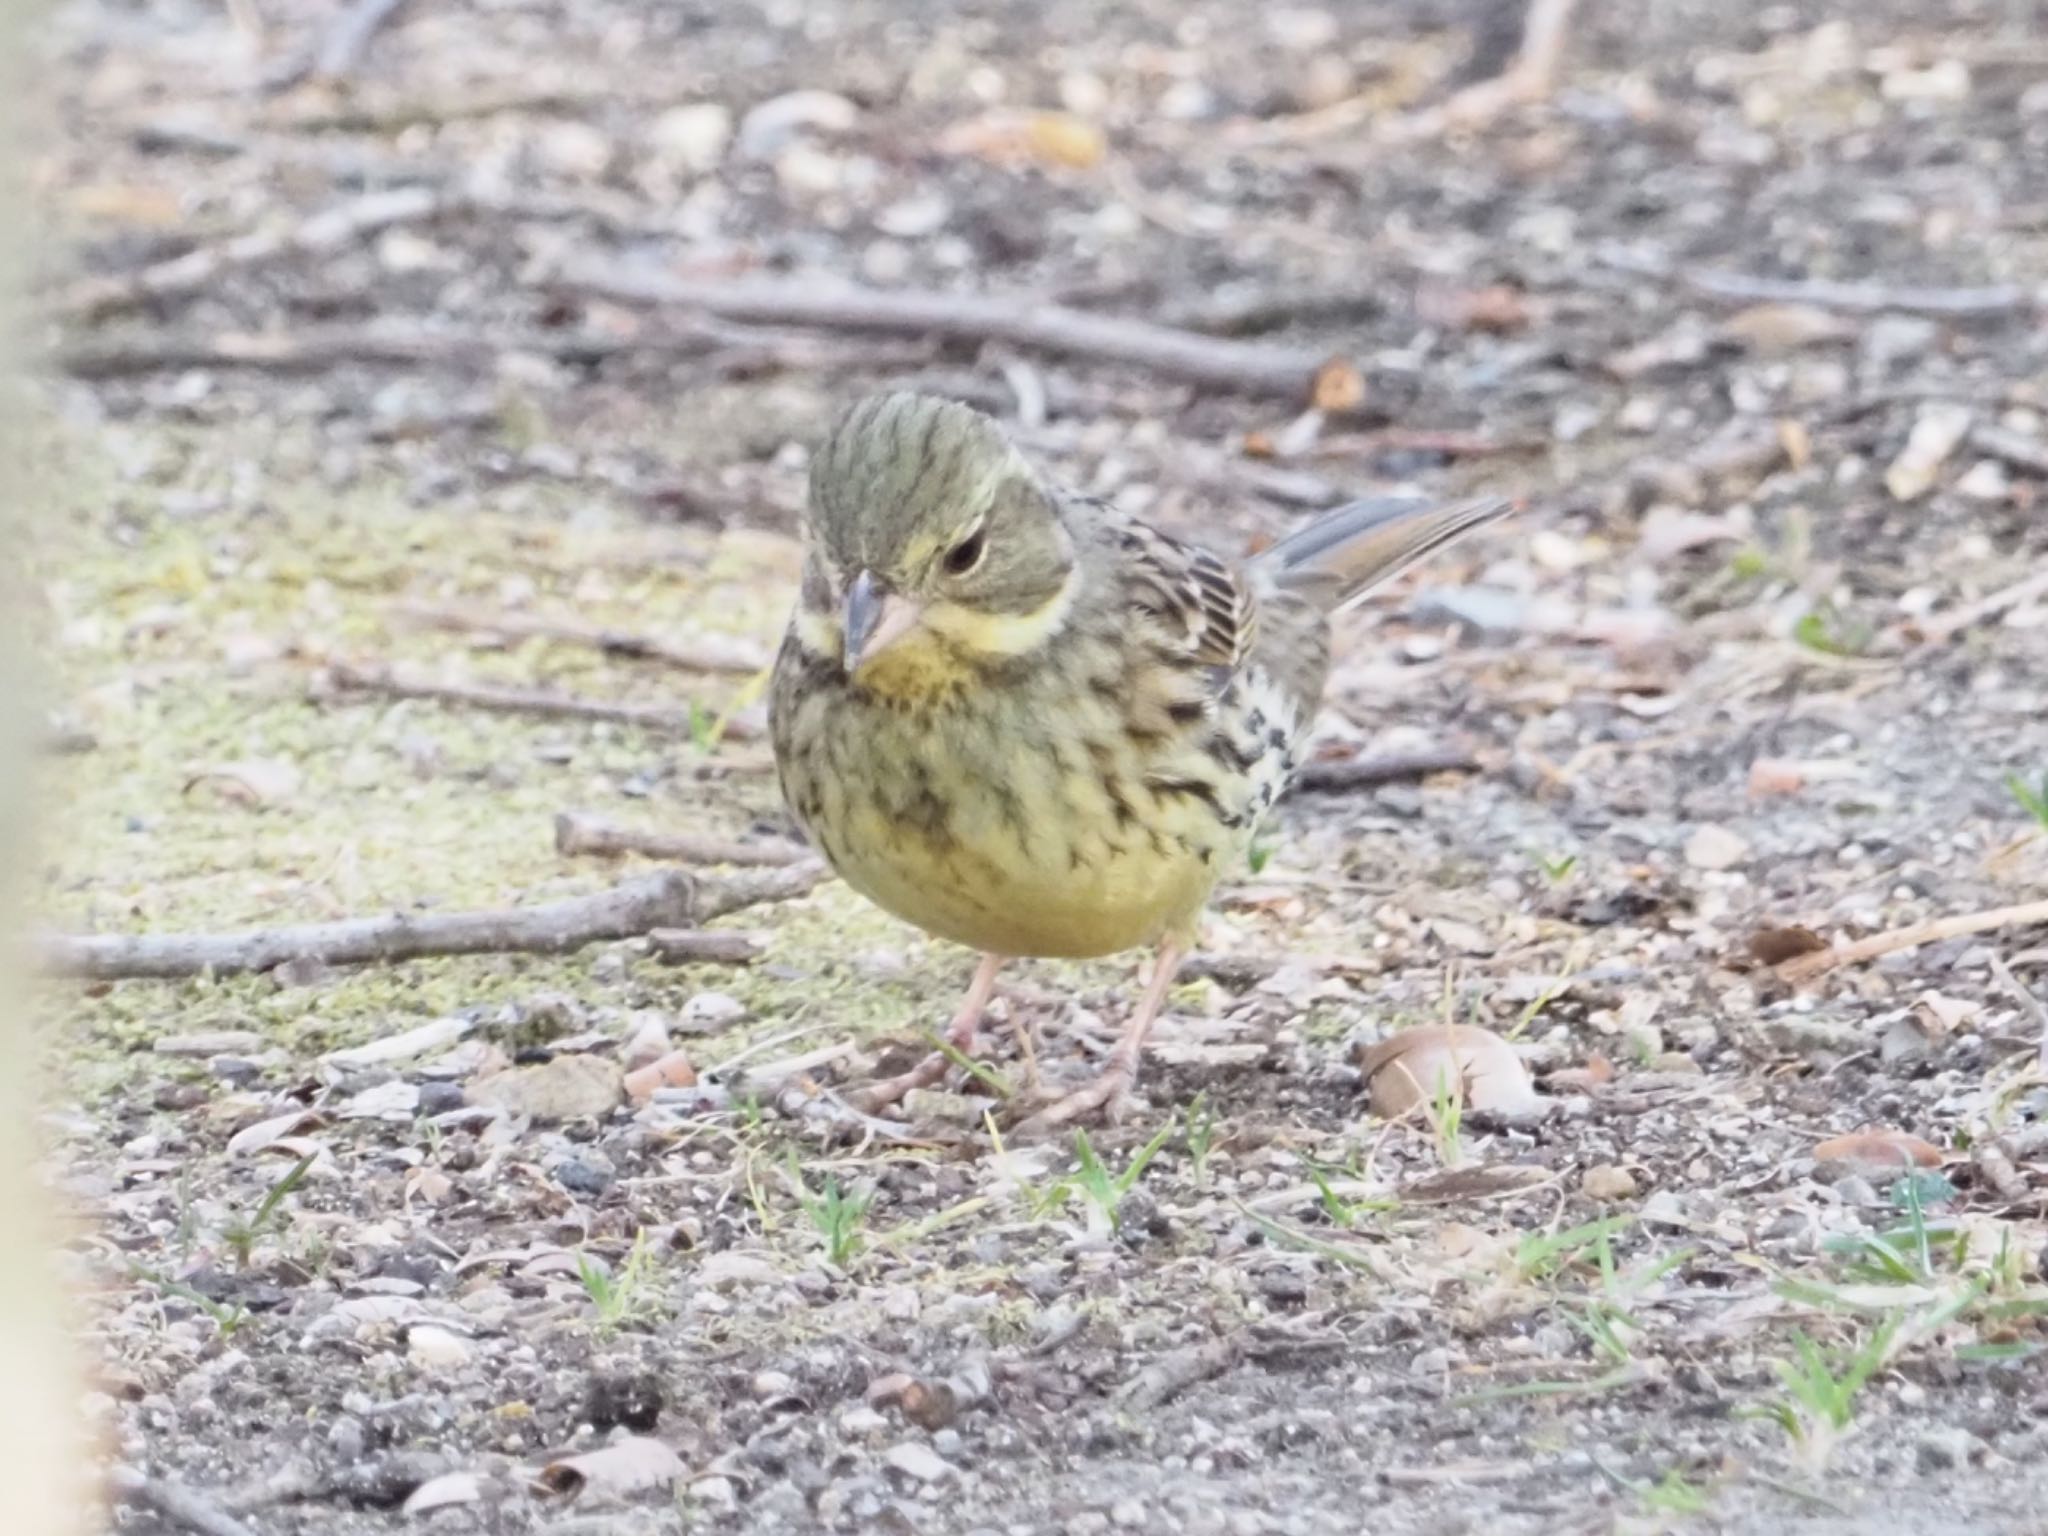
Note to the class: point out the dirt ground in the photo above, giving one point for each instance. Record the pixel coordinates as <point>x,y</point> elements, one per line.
<point>356,384</point>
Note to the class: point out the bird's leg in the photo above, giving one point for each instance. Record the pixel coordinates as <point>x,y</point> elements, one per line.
<point>1107,1091</point>
<point>960,1034</point>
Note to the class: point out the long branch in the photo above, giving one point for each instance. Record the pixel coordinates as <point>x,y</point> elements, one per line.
<point>672,899</point>
<point>1821,961</point>
<point>1256,368</point>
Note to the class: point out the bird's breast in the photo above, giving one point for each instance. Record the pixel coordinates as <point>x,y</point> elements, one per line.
<point>1026,819</point>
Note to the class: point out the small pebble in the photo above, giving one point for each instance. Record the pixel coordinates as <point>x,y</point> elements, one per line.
<point>916,1461</point>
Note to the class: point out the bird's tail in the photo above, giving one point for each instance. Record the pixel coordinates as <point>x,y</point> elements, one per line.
<point>1344,554</point>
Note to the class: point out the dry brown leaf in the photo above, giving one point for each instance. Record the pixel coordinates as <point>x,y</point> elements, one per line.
<point>1879,1152</point>
<point>1408,1071</point>
<point>624,1467</point>
<point>566,1088</point>
<point>675,1070</point>
<point>1774,946</point>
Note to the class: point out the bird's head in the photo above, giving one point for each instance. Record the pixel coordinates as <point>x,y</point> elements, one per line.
<point>933,548</point>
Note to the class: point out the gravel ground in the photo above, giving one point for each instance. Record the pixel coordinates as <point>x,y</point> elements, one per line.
<point>372,376</point>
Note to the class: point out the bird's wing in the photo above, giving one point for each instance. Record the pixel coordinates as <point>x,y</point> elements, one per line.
<point>1205,608</point>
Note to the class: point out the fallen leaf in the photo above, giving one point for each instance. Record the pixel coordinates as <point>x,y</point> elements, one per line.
<point>565,1088</point>
<point>257,781</point>
<point>671,1071</point>
<point>1878,1154</point>
<point>1608,1182</point>
<point>412,1042</point>
<point>1774,946</point>
<point>440,1492</point>
<point>627,1466</point>
<point>266,1133</point>
<point>1948,1014</point>
<point>1408,1070</point>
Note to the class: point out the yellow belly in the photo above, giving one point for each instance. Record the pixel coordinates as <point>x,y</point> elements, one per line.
<point>993,899</point>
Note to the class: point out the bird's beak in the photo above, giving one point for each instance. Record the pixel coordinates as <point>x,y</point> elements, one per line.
<point>875,619</point>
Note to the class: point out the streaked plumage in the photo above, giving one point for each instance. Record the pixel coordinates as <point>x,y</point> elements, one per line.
<point>1075,722</point>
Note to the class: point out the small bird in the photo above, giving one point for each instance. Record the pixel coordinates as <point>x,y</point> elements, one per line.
<point>1030,723</point>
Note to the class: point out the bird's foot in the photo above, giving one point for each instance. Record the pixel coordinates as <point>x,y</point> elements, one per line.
<point>891,1091</point>
<point>1104,1098</point>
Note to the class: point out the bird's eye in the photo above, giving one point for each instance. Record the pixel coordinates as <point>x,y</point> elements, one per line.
<point>966,555</point>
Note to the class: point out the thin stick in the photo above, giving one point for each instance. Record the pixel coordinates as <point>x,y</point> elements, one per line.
<point>715,654</point>
<point>1172,1374</point>
<point>1217,362</point>
<point>175,1503</point>
<point>576,833</point>
<point>397,683</point>
<point>1806,967</point>
<point>319,348</point>
<point>1948,625</point>
<point>1997,302</point>
<point>331,228</point>
<point>1388,768</point>
<point>672,899</point>
<point>704,946</point>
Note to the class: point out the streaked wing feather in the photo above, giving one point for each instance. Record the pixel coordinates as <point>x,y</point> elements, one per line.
<point>1193,594</point>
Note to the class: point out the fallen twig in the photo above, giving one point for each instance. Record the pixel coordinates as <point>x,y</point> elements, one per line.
<point>1184,355</point>
<point>714,654</point>
<point>174,1502</point>
<point>397,683</point>
<point>1948,625</point>
<point>672,899</point>
<point>330,228</point>
<point>1997,302</point>
<point>319,348</point>
<point>1806,967</point>
<point>580,834</point>
<point>1172,1374</point>
<point>703,946</point>
<point>1388,768</point>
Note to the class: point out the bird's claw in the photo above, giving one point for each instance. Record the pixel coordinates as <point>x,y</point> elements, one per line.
<point>1104,1096</point>
<point>891,1091</point>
